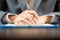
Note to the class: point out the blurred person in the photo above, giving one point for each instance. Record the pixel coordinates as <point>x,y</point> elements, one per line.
<point>11,7</point>
<point>17,6</point>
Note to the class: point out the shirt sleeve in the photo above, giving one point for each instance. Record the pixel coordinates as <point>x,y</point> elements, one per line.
<point>46,7</point>
<point>5,19</point>
<point>1,15</point>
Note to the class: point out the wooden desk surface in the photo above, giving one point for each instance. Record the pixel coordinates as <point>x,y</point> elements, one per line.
<point>30,33</point>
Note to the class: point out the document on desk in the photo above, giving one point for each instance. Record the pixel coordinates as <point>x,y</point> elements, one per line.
<point>31,26</point>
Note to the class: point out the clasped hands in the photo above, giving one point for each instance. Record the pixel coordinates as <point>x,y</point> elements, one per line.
<point>30,17</point>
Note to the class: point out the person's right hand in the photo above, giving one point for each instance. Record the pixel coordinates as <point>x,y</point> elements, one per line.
<point>27,17</point>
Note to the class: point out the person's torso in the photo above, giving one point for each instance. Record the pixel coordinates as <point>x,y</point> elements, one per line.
<point>41,6</point>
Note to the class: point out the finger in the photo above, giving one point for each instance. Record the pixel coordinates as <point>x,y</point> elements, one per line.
<point>29,17</point>
<point>21,22</point>
<point>27,21</point>
<point>34,18</point>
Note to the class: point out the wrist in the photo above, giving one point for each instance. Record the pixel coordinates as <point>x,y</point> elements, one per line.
<point>11,18</point>
<point>7,18</point>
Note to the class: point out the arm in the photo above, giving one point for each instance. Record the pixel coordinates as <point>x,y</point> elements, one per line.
<point>6,17</point>
<point>1,16</point>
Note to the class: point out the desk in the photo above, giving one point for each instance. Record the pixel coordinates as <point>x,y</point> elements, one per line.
<point>14,33</point>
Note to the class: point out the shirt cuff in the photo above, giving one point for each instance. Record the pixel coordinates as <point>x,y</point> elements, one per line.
<point>5,19</point>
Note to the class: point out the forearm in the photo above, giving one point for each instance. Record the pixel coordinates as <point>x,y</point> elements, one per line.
<point>5,17</point>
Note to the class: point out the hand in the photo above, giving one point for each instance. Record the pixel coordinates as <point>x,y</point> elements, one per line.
<point>27,17</point>
<point>30,17</point>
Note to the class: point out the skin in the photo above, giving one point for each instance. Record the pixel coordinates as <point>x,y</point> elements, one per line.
<point>12,18</point>
<point>44,19</point>
<point>27,17</point>
<point>30,17</point>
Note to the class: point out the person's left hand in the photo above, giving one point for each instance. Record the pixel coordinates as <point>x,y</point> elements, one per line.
<point>27,17</point>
